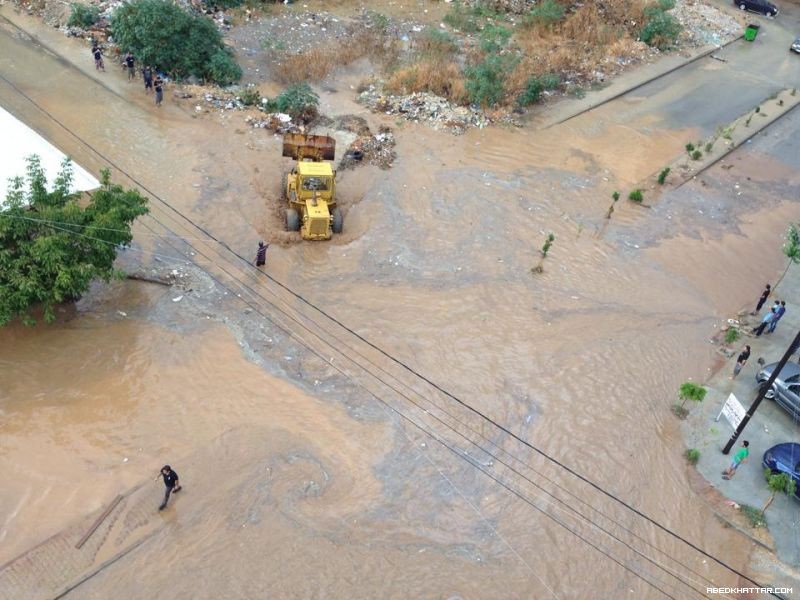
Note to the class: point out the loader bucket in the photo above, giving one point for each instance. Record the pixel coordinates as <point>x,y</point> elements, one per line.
<point>301,146</point>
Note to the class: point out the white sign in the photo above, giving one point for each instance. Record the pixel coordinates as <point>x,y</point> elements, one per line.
<point>733,411</point>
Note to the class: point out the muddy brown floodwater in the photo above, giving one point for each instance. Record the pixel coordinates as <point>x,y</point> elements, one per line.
<point>298,483</point>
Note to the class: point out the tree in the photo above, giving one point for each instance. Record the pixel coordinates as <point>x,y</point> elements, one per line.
<point>161,34</point>
<point>778,482</point>
<point>689,390</point>
<point>53,244</point>
<point>791,248</point>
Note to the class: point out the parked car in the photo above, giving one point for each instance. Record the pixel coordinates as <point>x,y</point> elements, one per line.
<point>795,47</point>
<point>784,458</point>
<point>759,6</point>
<point>786,387</point>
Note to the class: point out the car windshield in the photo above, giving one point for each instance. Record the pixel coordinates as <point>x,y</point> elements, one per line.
<point>316,184</point>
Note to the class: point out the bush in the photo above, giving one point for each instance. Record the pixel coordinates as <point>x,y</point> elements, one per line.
<point>299,101</point>
<point>223,69</point>
<point>731,335</point>
<point>172,40</point>
<point>615,196</point>
<point>494,37</point>
<point>754,516</point>
<point>436,42</point>
<point>460,18</point>
<point>547,13</point>
<point>636,195</point>
<point>661,30</point>
<point>692,456</point>
<point>689,147</point>
<point>250,96</point>
<point>83,16</point>
<point>697,155</point>
<point>662,177</point>
<point>486,80</point>
<point>535,86</point>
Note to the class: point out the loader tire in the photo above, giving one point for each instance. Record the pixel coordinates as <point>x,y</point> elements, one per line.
<point>292,220</point>
<point>338,221</point>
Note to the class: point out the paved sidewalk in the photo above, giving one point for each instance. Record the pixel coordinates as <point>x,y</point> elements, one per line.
<point>769,426</point>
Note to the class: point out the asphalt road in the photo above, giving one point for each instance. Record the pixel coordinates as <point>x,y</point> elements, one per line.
<point>715,90</point>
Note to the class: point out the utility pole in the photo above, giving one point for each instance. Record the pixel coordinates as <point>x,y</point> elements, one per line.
<point>762,393</point>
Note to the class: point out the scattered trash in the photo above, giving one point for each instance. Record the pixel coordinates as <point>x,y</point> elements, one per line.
<point>177,299</point>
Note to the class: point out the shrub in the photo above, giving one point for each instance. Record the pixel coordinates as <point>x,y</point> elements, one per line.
<point>436,42</point>
<point>83,16</point>
<point>548,242</point>
<point>161,34</point>
<point>690,147</point>
<point>299,101</point>
<point>754,516</point>
<point>494,37</point>
<point>709,147</point>
<point>615,196</point>
<point>692,456</point>
<point>436,75</point>
<point>534,87</point>
<point>223,69</point>
<point>697,155</point>
<point>662,177</point>
<point>636,195</point>
<point>545,14</point>
<point>250,96</point>
<point>689,390</point>
<point>731,335</point>
<point>486,80</point>
<point>661,30</point>
<point>460,18</point>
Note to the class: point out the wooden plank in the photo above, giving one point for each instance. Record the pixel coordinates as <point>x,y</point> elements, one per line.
<point>98,521</point>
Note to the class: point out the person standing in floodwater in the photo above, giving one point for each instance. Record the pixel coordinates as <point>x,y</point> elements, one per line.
<point>171,482</point>
<point>147,75</point>
<point>98,58</point>
<point>129,63</point>
<point>159,87</point>
<point>261,254</point>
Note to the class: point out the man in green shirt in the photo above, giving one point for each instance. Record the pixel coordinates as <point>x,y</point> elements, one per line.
<point>738,458</point>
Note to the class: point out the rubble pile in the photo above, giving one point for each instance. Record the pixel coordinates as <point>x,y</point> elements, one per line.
<point>704,24</point>
<point>422,107</point>
<point>373,149</point>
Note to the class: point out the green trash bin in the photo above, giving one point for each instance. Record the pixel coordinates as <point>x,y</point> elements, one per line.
<point>750,32</point>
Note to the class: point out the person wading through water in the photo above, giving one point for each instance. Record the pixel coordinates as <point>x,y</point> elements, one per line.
<point>171,482</point>
<point>261,254</point>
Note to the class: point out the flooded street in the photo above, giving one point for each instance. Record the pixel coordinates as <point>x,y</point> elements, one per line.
<point>310,474</point>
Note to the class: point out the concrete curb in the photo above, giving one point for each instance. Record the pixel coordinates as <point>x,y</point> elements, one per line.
<point>790,103</point>
<point>687,62</point>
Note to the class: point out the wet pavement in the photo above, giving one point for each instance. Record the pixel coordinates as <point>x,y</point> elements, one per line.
<point>306,463</point>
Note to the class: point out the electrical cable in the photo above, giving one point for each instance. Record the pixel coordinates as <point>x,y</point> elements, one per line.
<point>393,359</point>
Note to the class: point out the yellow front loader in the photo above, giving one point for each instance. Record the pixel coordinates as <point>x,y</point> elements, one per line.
<point>311,186</point>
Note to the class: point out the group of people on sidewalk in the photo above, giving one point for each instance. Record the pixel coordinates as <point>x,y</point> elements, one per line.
<point>771,318</point>
<point>152,80</point>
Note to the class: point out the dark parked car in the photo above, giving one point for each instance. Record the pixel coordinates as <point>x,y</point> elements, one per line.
<point>784,458</point>
<point>760,6</point>
<point>786,387</point>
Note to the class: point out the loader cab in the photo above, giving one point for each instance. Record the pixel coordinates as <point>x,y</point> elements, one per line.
<point>316,180</point>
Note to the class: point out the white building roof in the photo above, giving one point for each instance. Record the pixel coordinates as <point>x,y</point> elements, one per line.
<point>20,141</point>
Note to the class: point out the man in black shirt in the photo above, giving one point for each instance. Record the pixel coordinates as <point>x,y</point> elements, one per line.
<point>147,75</point>
<point>129,63</point>
<point>172,483</point>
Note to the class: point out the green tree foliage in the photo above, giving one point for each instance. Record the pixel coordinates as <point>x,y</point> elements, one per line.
<point>82,15</point>
<point>661,29</point>
<point>778,483</point>
<point>536,85</point>
<point>297,100</point>
<point>52,245</point>
<point>161,34</point>
<point>486,80</point>
<point>689,390</point>
<point>791,248</point>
